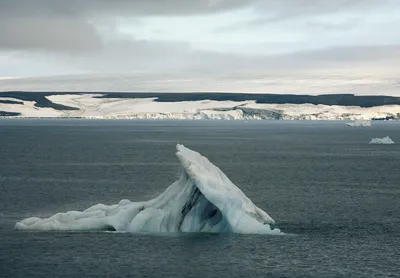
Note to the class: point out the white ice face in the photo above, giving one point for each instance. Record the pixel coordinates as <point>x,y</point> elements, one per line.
<point>94,106</point>
<point>202,200</point>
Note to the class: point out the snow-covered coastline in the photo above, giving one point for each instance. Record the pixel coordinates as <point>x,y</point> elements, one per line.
<point>92,106</point>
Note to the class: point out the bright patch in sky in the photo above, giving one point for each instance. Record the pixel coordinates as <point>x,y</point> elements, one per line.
<point>236,31</point>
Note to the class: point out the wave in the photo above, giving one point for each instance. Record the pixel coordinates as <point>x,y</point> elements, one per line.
<point>202,200</point>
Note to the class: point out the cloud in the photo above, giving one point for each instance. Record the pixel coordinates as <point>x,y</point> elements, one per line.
<point>76,25</point>
<point>305,41</point>
<point>119,7</point>
<point>181,7</point>
<point>327,15</point>
<point>287,9</point>
<point>178,58</point>
<point>166,66</point>
<point>48,34</point>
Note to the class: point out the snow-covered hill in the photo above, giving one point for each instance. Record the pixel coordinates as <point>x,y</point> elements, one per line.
<point>95,107</point>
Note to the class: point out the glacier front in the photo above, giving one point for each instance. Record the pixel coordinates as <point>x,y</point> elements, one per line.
<point>202,200</point>
<point>105,106</point>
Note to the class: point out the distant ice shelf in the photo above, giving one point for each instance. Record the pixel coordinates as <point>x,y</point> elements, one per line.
<point>94,106</point>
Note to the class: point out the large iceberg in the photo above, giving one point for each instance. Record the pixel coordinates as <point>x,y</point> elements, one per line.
<point>385,141</point>
<point>202,200</point>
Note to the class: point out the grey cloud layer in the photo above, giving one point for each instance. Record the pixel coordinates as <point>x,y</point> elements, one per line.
<point>118,7</point>
<point>179,7</point>
<point>164,57</point>
<point>67,25</point>
<point>83,32</point>
<point>306,11</point>
<point>55,34</point>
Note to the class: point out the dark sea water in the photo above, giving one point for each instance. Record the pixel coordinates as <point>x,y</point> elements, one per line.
<point>320,181</point>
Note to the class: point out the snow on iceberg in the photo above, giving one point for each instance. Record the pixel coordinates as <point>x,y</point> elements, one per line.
<point>385,140</point>
<point>359,123</point>
<point>202,200</point>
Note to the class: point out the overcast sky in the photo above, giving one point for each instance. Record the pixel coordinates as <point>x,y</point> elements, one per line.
<point>272,46</point>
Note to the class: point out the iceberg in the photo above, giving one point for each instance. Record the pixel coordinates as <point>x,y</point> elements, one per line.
<point>359,123</point>
<point>202,200</point>
<point>385,141</point>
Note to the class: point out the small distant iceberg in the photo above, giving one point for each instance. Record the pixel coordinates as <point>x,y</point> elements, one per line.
<point>359,123</point>
<point>385,141</point>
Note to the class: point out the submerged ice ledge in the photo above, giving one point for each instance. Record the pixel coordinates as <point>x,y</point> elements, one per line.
<point>359,123</point>
<point>202,200</point>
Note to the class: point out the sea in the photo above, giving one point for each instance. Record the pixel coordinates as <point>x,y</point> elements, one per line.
<point>336,197</point>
